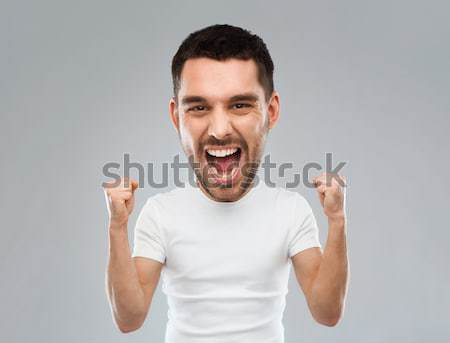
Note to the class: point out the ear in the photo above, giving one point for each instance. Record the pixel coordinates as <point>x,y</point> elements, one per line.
<point>173,111</point>
<point>273,109</point>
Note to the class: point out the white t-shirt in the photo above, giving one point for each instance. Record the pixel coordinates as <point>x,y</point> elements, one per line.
<point>227,264</point>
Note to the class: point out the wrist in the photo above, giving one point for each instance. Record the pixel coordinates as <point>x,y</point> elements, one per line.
<point>118,227</point>
<point>337,219</point>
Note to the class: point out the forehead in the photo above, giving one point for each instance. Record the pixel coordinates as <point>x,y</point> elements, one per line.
<point>219,79</point>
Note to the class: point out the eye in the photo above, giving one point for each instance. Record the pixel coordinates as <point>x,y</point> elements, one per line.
<point>241,105</point>
<point>196,108</point>
<point>241,108</point>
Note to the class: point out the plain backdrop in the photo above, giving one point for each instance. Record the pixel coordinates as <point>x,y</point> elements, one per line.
<point>84,82</point>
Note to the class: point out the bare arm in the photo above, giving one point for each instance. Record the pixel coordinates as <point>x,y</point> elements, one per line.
<point>130,282</point>
<point>324,277</point>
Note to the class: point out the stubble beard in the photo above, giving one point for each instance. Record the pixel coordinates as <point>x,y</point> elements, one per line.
<point>249,170</point>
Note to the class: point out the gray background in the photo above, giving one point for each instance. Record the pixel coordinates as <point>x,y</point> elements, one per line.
<point>83,82</point>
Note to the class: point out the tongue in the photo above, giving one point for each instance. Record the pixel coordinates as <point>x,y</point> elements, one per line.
<point>223,164</point>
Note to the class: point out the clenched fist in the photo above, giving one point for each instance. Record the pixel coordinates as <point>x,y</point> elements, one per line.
<point>120,201</point>
<point>331,194</point>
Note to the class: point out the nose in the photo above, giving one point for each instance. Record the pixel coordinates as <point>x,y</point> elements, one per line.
<point>220,124</point>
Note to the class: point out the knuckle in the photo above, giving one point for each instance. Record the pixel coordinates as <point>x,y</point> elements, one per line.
<point>115,195</point>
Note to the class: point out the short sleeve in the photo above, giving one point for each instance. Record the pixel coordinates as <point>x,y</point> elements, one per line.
<point>148,235</point>
<point>304,233</point>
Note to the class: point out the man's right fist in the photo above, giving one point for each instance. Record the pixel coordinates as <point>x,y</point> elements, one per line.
<point>119,200</point>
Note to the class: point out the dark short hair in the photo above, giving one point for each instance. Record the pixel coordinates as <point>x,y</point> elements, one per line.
<point>221,42</point>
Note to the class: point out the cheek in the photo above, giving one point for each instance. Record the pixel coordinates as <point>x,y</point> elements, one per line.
<point>190,132</point>
<point>251,127</point>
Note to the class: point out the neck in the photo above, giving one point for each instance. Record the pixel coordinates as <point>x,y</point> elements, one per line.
<point>206,192</point>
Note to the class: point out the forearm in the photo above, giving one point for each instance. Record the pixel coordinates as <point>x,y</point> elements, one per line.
<point>124,290</point>
<point>329,287</point>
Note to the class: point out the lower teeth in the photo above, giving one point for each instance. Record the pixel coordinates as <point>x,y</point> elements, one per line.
<point>223,176</point>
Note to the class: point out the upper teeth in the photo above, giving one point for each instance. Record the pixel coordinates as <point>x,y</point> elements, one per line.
<point>221,153</point>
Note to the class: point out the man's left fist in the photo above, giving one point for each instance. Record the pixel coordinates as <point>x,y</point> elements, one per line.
<point>331,189</point>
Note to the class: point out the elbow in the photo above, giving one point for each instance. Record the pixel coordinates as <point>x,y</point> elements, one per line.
<point>127,328</point>
<point>329,321</point>
<point>130,326</point>
<point>328,314</point>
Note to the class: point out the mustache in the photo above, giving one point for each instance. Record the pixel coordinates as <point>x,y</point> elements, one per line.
<point>214,141</point>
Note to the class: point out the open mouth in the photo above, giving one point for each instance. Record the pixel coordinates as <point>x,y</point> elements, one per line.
<point>223,164</point>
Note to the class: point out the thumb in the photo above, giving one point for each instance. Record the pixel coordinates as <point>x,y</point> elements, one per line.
<point>134,185</point>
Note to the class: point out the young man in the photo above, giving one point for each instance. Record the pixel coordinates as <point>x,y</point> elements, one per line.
<point>225,246</point>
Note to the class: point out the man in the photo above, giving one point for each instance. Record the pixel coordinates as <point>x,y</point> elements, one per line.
<point>224,247</point>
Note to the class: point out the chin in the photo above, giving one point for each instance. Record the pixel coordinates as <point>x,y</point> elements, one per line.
<point>226,194</point>
<point>224,172</point>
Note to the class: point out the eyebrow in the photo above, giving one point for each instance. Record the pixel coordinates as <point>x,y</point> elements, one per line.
<point>244,97</point>
<point>192,98</point>
<point>189,99</point>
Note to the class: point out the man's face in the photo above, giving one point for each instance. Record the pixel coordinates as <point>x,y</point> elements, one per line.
<point>222,119</point>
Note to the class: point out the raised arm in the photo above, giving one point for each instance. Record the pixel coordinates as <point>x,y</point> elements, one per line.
<point>324,277</point>
<point>130,282</point>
